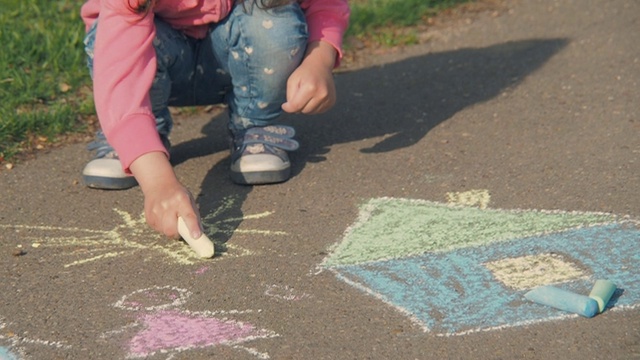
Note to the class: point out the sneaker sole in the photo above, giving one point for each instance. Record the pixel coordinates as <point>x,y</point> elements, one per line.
<point>261,177</point>
<point>105,183</point>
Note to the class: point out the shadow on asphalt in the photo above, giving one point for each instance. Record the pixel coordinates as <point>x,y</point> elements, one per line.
<point>398,102</point>
<point>406,99</point>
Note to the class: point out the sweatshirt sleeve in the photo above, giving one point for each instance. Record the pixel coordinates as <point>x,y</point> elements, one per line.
<point>328,21</point>
<point>124,67</point>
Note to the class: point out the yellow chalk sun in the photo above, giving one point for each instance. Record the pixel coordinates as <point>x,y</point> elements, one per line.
<point>133,235</point>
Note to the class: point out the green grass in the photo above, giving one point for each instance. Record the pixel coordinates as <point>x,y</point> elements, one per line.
<point>44,83</point>
<point>42,71</point>
<point>377,20</point>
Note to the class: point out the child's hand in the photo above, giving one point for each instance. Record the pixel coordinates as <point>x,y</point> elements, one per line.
<point>310,88</point>
<point>165,203</point>
<point>165,199</point>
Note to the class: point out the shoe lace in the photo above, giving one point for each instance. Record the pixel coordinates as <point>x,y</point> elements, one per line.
<point>101,147</point>
<point>104,150</point>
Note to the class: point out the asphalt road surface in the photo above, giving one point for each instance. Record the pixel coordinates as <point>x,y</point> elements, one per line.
<point>451,178</point>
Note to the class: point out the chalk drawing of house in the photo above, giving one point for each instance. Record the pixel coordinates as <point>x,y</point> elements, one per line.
<point>455,269</point>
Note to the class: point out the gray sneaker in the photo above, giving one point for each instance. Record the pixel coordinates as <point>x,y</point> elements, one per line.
<point>105,171</point>
<point>259,156</point>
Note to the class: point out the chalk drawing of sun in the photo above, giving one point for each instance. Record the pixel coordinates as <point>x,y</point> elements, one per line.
<point>133,236</point>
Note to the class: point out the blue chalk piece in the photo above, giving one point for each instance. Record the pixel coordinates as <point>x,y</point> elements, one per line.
<point>563,300</point>
<point>602,292</point>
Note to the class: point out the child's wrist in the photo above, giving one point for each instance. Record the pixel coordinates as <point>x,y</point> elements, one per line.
<point>152,171</point>
<point>322,52</point>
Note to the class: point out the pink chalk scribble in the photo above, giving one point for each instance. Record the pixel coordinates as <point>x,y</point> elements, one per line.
<point>202,270</point>
<point>170,330</point>
<point>162,328</point>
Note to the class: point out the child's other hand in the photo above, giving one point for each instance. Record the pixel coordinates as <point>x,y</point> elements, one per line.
<point>310,88</point>
<point>165,199</point>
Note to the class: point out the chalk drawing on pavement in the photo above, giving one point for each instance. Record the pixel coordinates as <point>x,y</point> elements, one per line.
<point>6,354</point>
<point>285,292</point>
<point>15,349</point>
<point>161,327</point>
<point>134,236</point>
<point>479,198</point>
<point>459,269</point>
<point>527,272</point>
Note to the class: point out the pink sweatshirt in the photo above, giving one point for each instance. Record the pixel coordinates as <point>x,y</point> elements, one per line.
<point>124,59</point>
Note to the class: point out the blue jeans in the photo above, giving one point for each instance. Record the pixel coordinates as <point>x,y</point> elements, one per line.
<point>244,61</point>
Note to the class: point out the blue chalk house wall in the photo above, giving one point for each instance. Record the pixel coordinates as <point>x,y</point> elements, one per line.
<point>467,289</point>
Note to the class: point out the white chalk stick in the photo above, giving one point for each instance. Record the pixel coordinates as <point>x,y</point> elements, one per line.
<point>202,245</point>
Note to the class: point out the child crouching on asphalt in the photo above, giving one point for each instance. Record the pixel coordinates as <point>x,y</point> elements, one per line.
<point>260,57</point>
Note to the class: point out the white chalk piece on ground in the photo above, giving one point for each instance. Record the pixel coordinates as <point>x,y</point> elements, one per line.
<point>602,292</point>
<point>202,246</point>
<point>563,300</point>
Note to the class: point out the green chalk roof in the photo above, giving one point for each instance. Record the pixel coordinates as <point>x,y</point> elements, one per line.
<point>390,228</point>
